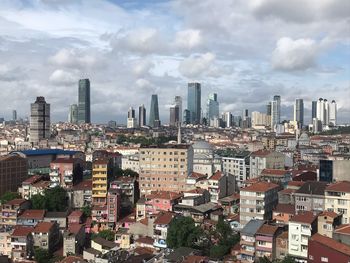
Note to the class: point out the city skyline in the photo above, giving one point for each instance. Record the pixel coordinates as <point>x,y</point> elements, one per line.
<point>308,59</point>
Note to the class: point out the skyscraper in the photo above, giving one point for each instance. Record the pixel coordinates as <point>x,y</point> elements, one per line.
<point>84,114</point>
<point>14,115</point>
<point>187,117</point>
<point>73,113</point>
<point>154,112</point>
<point>275,111</point>
<point>178,102</point>
<point>313,110</point>
<point>320,112</point>
<point>299,112</point>
<point>174,115</point>
<point>333,113</point>
<point>142,116</point>
<point>194,102</point>
<point>268,109</point>
<point>326,112</point>
<point>212,107</point>
<point>39,120</point>
<point>131,122</point>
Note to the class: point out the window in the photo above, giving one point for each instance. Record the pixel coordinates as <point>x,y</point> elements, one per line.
<point>324,259</point>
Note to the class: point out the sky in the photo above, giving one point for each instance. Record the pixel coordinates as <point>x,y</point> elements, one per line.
<point>245,51</point>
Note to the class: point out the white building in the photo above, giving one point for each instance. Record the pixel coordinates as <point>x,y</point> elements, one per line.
<point>204,159</point>
<point>337,199</point>
<point>131,162</point>
<point>333,113</point>
<point>237,164</point>
<point>260,119</point>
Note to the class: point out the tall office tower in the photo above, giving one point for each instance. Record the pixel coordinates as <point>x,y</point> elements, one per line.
<point>227,117</point>
<point>299,112</point>
<point>212,107</point>
<point>14,115</point>
<point>320,112</point>
<point>245,114</point>
<point>333,113</point>
<point>178,102</point>
<point>174,115</point>
<point>268,109</point>
<point>326,112</point>
<point>275,111</point>
<point>73,113</point>
<point>187,117</point>
<point>154,112</point>
<point>142,116</point>
<point>39,120</point>
<point>194,102</point>
<point>314,110</point>
<point>84,114</point>
<point>131,122</point>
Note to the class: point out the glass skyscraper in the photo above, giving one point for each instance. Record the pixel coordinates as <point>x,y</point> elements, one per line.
<point>154,112</point>
<point>84,115</point>
<point>299,112</point>
<point>212,107</point>
<point>314,110</point>
<point>73,113</point>
<point>194,102</point>
<point>275,111</point>
<point>142,115</point>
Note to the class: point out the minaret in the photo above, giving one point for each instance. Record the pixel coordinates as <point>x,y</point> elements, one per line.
<point>179,134</point>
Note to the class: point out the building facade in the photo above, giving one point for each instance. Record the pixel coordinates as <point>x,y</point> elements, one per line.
<point>39,120</point>
<point>194,102</point>
<point>84,113</point>
<point>154,120</point>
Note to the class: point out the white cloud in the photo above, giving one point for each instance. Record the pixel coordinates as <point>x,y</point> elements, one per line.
<point>61,77</point>
<point>72,59</point>
<point>142,67</point>
<point>196,65</point>
<point>299,54</point>
<point>188,39</point>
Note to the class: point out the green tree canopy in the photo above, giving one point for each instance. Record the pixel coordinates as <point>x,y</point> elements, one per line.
<point>8,196</point>
<point>54,200</point>
<point>86,210</point>
<point>105,234</point>
<point>41,255</point>
<point>218,251</point>
<point>182,232</point>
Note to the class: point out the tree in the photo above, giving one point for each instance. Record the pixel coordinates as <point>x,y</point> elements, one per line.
<point>182,232</point>
<point>86,210</point>
<point>264,260</point>
<point>53,200</point>
<point>8,196</point>
<point>288,259</point>
<point>105,234</point>
<point>38,201</point>
<point>41,255</point>
<point>218,251</point>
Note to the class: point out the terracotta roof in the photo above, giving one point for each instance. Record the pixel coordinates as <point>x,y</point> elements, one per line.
<point>283,235</point>
<point>285,208</point>
<point>63,160</point>
<point>339,187</point>
<point>274,172</point>
<point>43,227</point>
<point>195,259</point>
<point>16,202</point>
<point>73,259</point>
<point>260,187</point>
<point>101,161</point>
<point>343,229</point>
<point>42,184</point>
<point>32,179</point>
<point>196,191</point>
<point>163,195</point>
<point>287,191</point>
<point>76,213</point>
<point>197,175</point>
<point>22,231</point>
<point>267,230</point>
<point>261,153</point>
<point>312,188</point>
<point>216,176</point>
<point>144,221</point>
<point>164,218</point>
<point>33,214</point>
<point>331,243</point>
<point>296,183</point>
<point>84,185</point>
<point>329,214</point>
<point>306,217</point>
<point>75,228</point>
<point>145,240</point>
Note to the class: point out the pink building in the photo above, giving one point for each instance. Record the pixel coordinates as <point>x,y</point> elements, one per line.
<point>161,201</point>
<point>76,217</point>
<point>113,206</point>
<point>66,172</point>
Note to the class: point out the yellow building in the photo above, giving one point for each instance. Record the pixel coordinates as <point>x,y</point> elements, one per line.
<point>99,182</point>
<point>165,168</point>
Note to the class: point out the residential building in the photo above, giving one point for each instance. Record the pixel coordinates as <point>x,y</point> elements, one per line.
<point>333,113</point>
<point>103,245</point>
<point>205,161</point>
<point>66,172</point>
<point>310,196</point>
<point>161,224</point>
<point>265,241</point>
<point>39,120</point>
<point>342,234</point>
<point>27,190</point>
<point>82,194</point>
<point>154,120</point>
<point>165,168</point>
<point>237,164</point>
<point>283,213</point>
<point>75,217</point>
<point>10,211</point>
<point>5,242</point>
<point>100,181</point>
<point>300,229</point>
<point>60,218</point>
<point>334,170</point>
<point>220,185</point>
<point>161,201</point>
<point>46,236</point>
<point>84,113</point>
<point>73,240</point>
<point>113,206</point>
<point>31,217</point>
<point>194,102</point>
<point>260,120</point>
<point>282,245</point>
<point>327,222</point>
<point>277,176</point>
<point>337,197</point>
<point>13,171</point>
<point>257,201</point>
<point>248,241</point>
<point>129,189</point>
<point>22,243</point>
<point>324,249</point>
<point>262,159</point>
<point>131,162</point>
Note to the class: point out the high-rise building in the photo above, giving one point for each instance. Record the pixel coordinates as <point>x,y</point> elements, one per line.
<point>275,111</point>
<point>260,119</point>
<point>268,109</point>
<point>131,122</point>
<point>14,115</point>
<point>39,120</point>
<point>154,120</point>
<point>194,102</point>
<point>142,116</point>
<point>320,113</point>
<point>174,115</point>
<point>228,119</point>
<point>212,107</point>
<point>333,113</point>
<point>314,110</point>
<point>178,102</point>
<point>299,112</point>
<point>187,117</point>
<point>73,113</point>
<point>84,114</point>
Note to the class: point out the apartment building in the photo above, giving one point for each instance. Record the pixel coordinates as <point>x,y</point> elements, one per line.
<point>220,185</point>
<point>82,194</point>
<point>11,210</point>
<point>100,181</point>
<point>46,236</point>
<point>337,197</point>
<point>160,225</point>
<point>265,245</point>
<point>300,229</point>
<point>131,162</point>
<point>13,171</point>
<point>248,241</point>
<point>129,188</point>
<point>310,196</point>
<point>66,172</point>
<point>263,159</point>
<point>161,201</point>
<point>22,243</point>
<point>237,164</point>
<point>113,206</point>
<point>5,241</point>
<point>165,168</point>
<point>327,222</point>
<point>257,201</point>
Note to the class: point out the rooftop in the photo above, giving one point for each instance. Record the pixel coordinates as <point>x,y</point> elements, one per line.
<point>252,227</point>
<point>329,214</point>
<point>331,243</point>
<point>285,208</point>
<point>343,186</point>
<point>312,188</point>
<point>260,187</point>
<point>48,152</point>
<point>43,227</point>
<point>306,217</point>
<point>343,229</point>
<point>84,185</point>
<point>105,243</point>
<point>21,231</point>
<point>163,195</point>
<point>260,153</point>
<point>274,172</point>
<point>32,179</point>
<point>33,214</point>
<point>164,218</point>
<point>267,230</point>
<point>16,202</point>
<point>216,176</point>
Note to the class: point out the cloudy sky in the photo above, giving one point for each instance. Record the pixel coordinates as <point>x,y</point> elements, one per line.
<point>246,51</point>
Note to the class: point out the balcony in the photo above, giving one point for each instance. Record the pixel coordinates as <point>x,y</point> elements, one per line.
<point>54,172</point>
<point>160,243</point>
<point>68,179</point>
<point>247,243</point>
<point>247,252</point>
